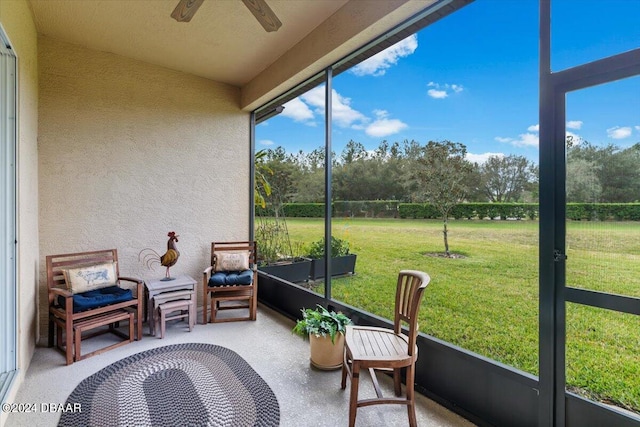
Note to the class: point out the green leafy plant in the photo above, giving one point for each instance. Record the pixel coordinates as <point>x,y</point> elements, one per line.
<point>321,322</point>
<point>339,247</point>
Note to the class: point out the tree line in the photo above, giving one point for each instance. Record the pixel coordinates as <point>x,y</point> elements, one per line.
<point>439,173</point>
<point>401,170</point>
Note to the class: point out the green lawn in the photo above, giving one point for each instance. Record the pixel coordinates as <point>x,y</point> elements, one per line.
<point>487,302</point>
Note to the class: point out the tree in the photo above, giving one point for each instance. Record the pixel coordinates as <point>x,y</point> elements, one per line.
<point>262,188</point>
<point>443,172</point>
<point>620,175</point>
<point>617,170</point>
<point>283,177</point>
<point>353,152</point>
<point>583,185</point>
<point>504,178</point>
<point>407,156</point>
<point>366,176</point>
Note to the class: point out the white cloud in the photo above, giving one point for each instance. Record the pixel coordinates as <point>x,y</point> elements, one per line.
<point>524,140</point>
<point>342,112</point>
<point>441,91</point>
<point>481,158</point>
<point>618,132</point>
<point>297,110</point>
<point>306,107</point>
<point>266,142</point>
<point>637,128</point>
<point>437,94</point>
<point>383,126</point>
<point>378,63</point>
<point>503,139</point>
<point>574,124</point>
<point>532,139</point>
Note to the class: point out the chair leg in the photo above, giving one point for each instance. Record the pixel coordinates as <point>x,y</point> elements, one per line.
<point>345,368</point>
<point>254,304</point>
<point>69,341</point>
<point>139,317</point>
<point>411,406</point>
<point>214,306</point>
<point>397,382</point>
<point>78,341</point>
<point>353,399</point>
<point>343,384</point>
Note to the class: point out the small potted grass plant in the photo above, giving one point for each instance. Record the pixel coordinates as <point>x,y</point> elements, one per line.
<point>342,261</point>
<point>325,330</point>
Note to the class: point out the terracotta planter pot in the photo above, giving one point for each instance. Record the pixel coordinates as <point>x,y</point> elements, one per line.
<point>326,355</point>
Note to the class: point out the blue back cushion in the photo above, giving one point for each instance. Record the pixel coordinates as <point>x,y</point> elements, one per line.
<point>228,278</point>
<point>98,298</point>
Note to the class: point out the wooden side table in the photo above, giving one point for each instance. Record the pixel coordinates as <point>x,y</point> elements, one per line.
<point>93,322</point>
<point>171,310</point>
<point>163,290</point>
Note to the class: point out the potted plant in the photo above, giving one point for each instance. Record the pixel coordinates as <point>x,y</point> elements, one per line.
<point>342,262</point>
<point>325,330</point>
<point>276,252</point>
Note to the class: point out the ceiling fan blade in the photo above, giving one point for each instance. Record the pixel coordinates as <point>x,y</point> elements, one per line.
<point>263,14</point>
<point>185,10</point>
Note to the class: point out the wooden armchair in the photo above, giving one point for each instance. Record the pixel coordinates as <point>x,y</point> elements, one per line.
<point>232,277</point>
<point>84,295</point>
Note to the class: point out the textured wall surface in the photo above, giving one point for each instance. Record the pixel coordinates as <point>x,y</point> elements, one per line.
<point>16,20</point>
<point>129,151</point>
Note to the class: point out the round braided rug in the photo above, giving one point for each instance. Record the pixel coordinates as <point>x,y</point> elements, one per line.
<point>178,385</point>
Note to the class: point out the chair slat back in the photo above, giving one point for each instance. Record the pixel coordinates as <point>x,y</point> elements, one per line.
<point>409,293</point>
<point>57,263</point>
<point>249,246</point>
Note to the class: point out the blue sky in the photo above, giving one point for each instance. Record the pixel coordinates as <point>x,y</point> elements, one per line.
<point>472,78</point>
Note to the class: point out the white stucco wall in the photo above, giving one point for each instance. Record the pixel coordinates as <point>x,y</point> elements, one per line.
<point>17,22</point>
<point>130,151</point>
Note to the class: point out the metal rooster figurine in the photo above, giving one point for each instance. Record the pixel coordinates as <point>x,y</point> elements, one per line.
<point>149,257</point>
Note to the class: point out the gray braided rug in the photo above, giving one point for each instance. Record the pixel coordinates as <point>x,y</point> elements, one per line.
<point>178,385</point>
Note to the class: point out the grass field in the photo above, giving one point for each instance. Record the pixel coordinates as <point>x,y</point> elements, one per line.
<point>487,302</point>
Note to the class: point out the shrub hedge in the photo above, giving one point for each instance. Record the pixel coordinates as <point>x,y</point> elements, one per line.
<point>503,211</point>
<point>362,209</point>
<point>472,211</point>
<point>603,211</point>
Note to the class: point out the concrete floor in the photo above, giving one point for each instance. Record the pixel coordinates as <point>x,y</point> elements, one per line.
<point>306,396</point>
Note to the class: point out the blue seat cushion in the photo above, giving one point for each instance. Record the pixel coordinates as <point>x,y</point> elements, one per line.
<point>98,298</point>
<point>227,278</point>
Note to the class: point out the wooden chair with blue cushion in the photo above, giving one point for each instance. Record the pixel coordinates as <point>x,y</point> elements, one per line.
<point>231,281</point>
<point>85,293</point>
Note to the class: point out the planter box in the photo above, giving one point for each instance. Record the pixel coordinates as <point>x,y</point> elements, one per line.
<point>291,271</point>
<point>340,266</point>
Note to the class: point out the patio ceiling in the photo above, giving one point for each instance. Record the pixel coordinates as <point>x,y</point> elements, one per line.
<point>223,42</point>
